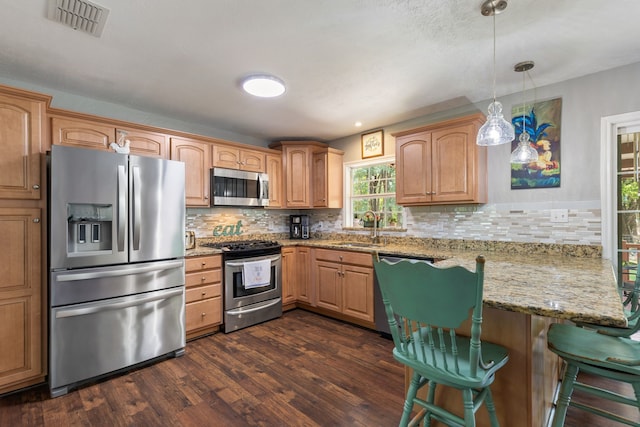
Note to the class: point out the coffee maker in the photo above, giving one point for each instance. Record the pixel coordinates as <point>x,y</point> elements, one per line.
<point>299,226</point>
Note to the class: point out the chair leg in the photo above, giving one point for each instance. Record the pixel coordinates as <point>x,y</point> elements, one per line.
<point>636,390</point>
<point>491,407</point>
<point>564,397</point>
<point>469,415</point>
<point>430,399</point>
<point>408,403</point>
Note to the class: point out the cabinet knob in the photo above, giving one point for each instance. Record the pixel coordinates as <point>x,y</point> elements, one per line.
<point>203,314</point>
<point>206,197</point>
<point>36,187</point>
<point>204,263</point>
<point>204,293</point>
<point>36,220</point>
<point>203,278</point>
<point>340,257</point>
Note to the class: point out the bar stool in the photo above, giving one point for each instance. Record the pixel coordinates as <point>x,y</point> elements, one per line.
<point>424,305</point>
<point>613,357</point>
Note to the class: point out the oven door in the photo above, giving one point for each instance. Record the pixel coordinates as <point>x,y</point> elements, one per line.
<point>236,295</point>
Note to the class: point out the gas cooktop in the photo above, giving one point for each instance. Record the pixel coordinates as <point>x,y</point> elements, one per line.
<point>243,245</point>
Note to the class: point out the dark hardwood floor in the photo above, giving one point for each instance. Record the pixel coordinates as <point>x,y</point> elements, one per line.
<point>300,370</point>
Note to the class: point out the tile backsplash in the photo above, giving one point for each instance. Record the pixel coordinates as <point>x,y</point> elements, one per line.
<point>484,222</point>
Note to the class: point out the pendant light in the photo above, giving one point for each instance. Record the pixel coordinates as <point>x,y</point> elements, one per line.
<point>524,152</point>
<point>496,129</point>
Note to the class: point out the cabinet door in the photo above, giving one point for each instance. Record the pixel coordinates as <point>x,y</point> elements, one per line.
<point>297,176</point>
<point>197,158</point>
<point>226,157</point>
<point>454,173</point>
<point>319,168</point>
<point>21,334</point>
<point>357,292</point>
<point>21,141</point>
<point>413,171</point>
<point>328,280</point>
<point>149,144</point>
<point>304,290</point>
<point>274,170</point>
<point>252,161</point>
<point>81,133</point>
<point>289,275</point>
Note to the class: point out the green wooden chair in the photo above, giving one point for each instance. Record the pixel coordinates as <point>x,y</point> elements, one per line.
<point>425,305</point>
<point>588,350</point>
<point>606,351</point>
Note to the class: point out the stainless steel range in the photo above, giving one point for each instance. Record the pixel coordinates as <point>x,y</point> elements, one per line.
<point>252,282</point>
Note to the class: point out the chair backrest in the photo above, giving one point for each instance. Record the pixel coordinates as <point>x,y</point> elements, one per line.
<point>425,304</point>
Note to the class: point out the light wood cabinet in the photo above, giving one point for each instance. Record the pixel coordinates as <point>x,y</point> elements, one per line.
<point>197,158</point>
<point>21,142</point>
<point>22,334</point>
<point>98,136</point>
<point>274,170</point>
<point>327,178</point>
<point>343,283</point>
<point>237,158</point>
<point>304,291</point>
<point>312,174</point>
<point>441,164</point>
<point>289,276</point>
<point>203,295</point>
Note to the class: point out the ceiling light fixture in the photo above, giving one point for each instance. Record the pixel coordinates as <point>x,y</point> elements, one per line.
<point>524,152</point>
<point>263,85</point>
<point>496,130</point>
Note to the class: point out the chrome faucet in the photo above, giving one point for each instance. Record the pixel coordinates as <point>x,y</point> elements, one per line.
<point>374,234</point>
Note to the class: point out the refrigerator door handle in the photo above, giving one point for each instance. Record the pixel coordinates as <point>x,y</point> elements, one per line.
<point>137,207</point>
<point>100,307</point>
<point>71,277</point>
<point>122,206</point>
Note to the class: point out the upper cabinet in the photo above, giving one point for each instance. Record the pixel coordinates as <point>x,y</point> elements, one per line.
<point>21,141</point>
<point>441,164</point>
<point>237,158</point>
<point>98,136</point>
<point>274,171</point>
<point>197,158</point>
<point>312,174</point>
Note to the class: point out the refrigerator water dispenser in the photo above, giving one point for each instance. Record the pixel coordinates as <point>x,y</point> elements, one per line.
<point>89,228</point>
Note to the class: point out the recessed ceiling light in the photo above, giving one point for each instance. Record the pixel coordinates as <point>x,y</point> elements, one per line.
<point>358,124</point>
<point>263,85</point>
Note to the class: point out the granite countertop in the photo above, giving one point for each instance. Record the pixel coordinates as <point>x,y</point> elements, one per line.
<point>575,288</point>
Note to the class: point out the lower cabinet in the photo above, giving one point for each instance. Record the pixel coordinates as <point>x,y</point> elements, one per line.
<point>295,276</point>
<point>22,335</point>
<point>343,284</point>
<point>203,295</point>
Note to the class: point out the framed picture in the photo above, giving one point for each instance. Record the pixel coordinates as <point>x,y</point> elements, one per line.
<point>372,144</point>
<point>542,121</point>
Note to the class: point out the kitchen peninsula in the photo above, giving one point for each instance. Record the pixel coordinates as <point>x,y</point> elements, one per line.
<point>527,287</point>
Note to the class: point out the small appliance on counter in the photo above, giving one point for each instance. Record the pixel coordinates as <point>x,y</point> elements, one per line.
<point>299,226</point>
<point>189,240</point>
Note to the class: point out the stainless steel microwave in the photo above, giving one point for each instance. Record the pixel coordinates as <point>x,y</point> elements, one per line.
<point>231,187</point>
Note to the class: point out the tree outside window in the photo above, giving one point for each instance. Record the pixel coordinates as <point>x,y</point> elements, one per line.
<point>373,188</point>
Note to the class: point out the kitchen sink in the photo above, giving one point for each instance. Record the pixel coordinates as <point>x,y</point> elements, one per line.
<point>360,245</point>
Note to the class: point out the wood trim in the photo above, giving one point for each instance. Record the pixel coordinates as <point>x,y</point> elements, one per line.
<point>479,117</point>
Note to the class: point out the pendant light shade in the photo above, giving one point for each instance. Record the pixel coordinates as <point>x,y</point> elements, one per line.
<point>496,130</point>
<point>524,152</point>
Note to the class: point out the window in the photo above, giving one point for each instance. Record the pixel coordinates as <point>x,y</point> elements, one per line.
<point>371,186</point>
<point>628,172</point>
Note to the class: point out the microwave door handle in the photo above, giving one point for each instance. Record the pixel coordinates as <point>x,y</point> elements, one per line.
<point>137,207</point>
<point>261,187</point>
<point>122,206</point>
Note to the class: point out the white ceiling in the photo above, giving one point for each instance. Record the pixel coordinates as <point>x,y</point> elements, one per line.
<point>376,61</point>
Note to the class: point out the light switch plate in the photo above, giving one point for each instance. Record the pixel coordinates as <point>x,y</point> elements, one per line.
<point>559,215</point>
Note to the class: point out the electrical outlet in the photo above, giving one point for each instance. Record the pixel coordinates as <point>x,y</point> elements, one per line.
<point>559,215</point>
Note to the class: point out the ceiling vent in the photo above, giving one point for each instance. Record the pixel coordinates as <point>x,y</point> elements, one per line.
<point>79,14</point>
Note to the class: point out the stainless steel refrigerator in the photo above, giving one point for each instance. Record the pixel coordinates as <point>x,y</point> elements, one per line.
<point>116,259</point>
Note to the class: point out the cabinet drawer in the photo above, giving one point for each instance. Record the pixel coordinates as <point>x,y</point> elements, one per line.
<point>203,292</point>
<point>346,257</point>
<point>202,263</point>
<point>204,313</point>
<point>203,277</point>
